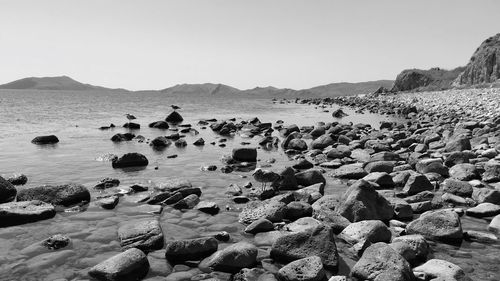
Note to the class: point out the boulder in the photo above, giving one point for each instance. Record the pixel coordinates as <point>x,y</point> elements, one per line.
<point>232,258</point>
<point>441,225</point>
<point>16,213</point>
<point>491,172</point>
<point>296,210</point>
<point>270,209</point>
<point>329,217</point>
<point>458,144</point>
<point>51,139</point>
<point>65,195</point>
<point>383,179</point>
<point>350,171</point>
<point>464,172</point>
<point>174,117</point>
<point>382,263</point>
<point>417,183</point>
<point>458,157</point>
<point>130,265</point>
<point>297,144</point>
<point>122,137</point>
<point>303,224</point>
<point>245,154</point>
<point>322,142</point>
<point>178,251</point>
<point>318,241</point>
<point>362,202</point>
<point>159,125</point>
<point>413,248</point>
<point>131,125</point>
<point>160,142</point>
<point>133,159</point>
<point>146,235</point>
<point>310,177</point>
<point>7,191</point>
<point>366,231</point>
<point>457,187</point>
<point>260,225</point>
<point>436,269</point>
<point>306,269</point>
<point>483,210</point>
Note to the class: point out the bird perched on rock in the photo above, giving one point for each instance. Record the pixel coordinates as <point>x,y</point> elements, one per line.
<point>265,176</point>
<point>130,117</point>
<point>175,107</point>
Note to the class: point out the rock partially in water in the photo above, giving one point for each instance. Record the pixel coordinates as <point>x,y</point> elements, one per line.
<point>132,125</point>
<point>483,210</point>
<point>130,265</point>
<point>199,142</point>
<point>51,139</point>
<point>441,225</point>
<point>109,202</point>
<point>287,180</point>
<point>56,242</point>
<point>122,137</point>
<point>7,191</point>
<point>17,213</point>
<point>160,142</point>
<point>381,263</point>
<point>133,159</point>
<point>310,177</point>
<point>146,235</point>
<point>232,258</point>
<point>178,251</point>
<point>306,269</point>
<point>17,180</point>
<point>319,241</point>
<point>65,195</point>
<point>260,225</point>
<point>107,183</point>
<point>208,207</point>
<point>187,202</point>
<point>436,269</point>
<point>159,125</point>
<point>174,117</point>
<point>245,154</point>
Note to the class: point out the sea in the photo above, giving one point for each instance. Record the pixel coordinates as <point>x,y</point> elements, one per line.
<point>81,157</point>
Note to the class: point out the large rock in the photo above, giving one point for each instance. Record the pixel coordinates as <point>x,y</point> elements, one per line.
<point>417,183</point>
<point>232,258</point>
<point>45,140</point>
<point>484,64</point>
<point>310,177</point>
<point>464,172</point>
<point>322,142</point>
<point>442,225</point>
<point>486,195</point>
<point>370,230</point>
<point>410,79</point>
<point>382,263</point>
<point>174,117</point>
<point>16,213</point>
<point>7,191</point>
<point>491,172</point>
<point>436,269</point>
<point>457,187</point>
<point>146,235</point>
<point>383,179</point>
<point>133,159</point>
<point>362,202</point>
<point>65,195</point>
<point>351,171</point>
<point>178,251</point>
<point>306,269</point>
<point>245,154</point>
<point>413,248</point>
<point>319,242</point>
<point>270,209</point>
<point>457,144</point>
<point>130,265</point>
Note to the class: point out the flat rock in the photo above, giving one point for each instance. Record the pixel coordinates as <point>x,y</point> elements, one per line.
<point>351,171</point>
<point>483,210</point>
<point>232,258</point>
<point>457,187</point>
<point>17,213</point>
<point>130,265</point>
<point>65,195</point>
<point>368,230</point>
<point>178,251</point>
<point>436,269</point>
<point>146,235</point>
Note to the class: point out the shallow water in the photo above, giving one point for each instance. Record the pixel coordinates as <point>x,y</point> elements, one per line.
<point>75,116</point>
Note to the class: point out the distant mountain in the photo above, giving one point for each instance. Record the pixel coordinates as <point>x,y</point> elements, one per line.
<point>349,89</point>
<point>63,83</point>
<point>205,89</point>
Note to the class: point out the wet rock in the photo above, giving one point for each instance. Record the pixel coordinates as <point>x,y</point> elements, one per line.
<point>160,142</point>
<point>458,144</point>
<point>17,213</point>
<point>483,210</point>
<point>413,248</point>
<point>322,142</point>
<point>303,165</point>
<point>244,154</point>
<point>270,209</point>
<point>174,117</point>
<point>107,183</point>
<point>232,258</point>
<point>17,180</point>
<point>417,183</point>
<point>133,159</point>
<point>319,242</point>
<point>381,263</point>
<point>297,144</point>
<point>441,225</point>
<point>56,242</point>
<point>159,125</point>
<point>109,202</point>
<point>306,269</point>
<point>7,191</point>
<point>362,202</point>
<point>379,166</point>
<point>145,234</point>
<point>369,230</point>
<point>287,180</point>
<point>436,269</point>
<point>457,187</point>
<point>351,171</point>
<point>260,225</point>
<point>180,143</point>
<point>187,202</point>
<point>383,179</point>
<point>464,172</point>
<point>199,142</point>
<point>491,172</point>
<point>131,125</point>
<point>64,195</point>
<point>310,177</point>
<point>122,137</point>
<point>51,139</point>
<point>130,265</point>
<point>481,237</point>
<point>296,210</point>
<point>208,207</point>
<point>178,251</point>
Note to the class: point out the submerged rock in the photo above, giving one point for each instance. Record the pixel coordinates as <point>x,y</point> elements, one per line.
<point>16,213</point>
<point>133,159</point>
<point>65,195</point>
<point>442,225</point>
<point>130,265</point>
<point>146,235</point>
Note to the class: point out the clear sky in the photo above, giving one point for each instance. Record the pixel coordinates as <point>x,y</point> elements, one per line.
<point>154,44</point>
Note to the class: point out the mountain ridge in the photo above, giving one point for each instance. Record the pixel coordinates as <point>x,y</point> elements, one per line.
<point>56,83</point>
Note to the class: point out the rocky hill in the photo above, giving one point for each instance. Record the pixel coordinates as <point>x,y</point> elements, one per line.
<point>484,65</point>
<point>206,89</point>
<point>51,83</point>
<point>434,79</point>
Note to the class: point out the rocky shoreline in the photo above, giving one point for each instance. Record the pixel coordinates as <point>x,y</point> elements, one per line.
<point>409,185</point>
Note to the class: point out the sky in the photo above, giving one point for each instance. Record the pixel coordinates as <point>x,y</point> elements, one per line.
<point>154,44</point>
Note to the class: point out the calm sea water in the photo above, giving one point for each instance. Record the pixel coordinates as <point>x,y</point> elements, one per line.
<point>75,116</point>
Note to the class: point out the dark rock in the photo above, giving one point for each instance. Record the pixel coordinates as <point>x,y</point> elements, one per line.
<point>178,251</point>
<point>107,183</point>
<point>322,142</point>
<point>297,144</point>
<point>417,183</point>
<point>160,142</point>
<point>303,165</point>
<point>109,202</point>
<point>457,187</point>
<point>7,191</point>
<point>329,217</point>
<point>483,210</point>
<point>131,125</point>
<point>319,242</point>
<point>199,142</point>
<point>310,177</point>
<point>159,125</point>
<point>130,265</point>
<point>17,180</point>
<point>458,144</point>
<point>296,210</point>
<point>17,213</point>
<point>122,137</point>
<point>232,259</point>
<point>174,117</point>
<point>260,225</point>
<point>287,180</point>
<point>65,195</point>
<point>133,159</point>
<point>145,234</point>
<point>45,140</point>
<point>180,143</point>
<point>383,179</point>
<point>244,154</point>
<point>208,207</point>
<point>187,202</point>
